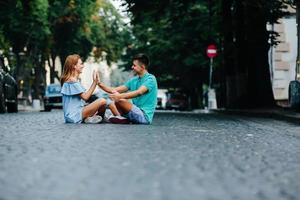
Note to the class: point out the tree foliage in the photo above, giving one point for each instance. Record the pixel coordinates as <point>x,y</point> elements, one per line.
<point>246,43</point>
<point>78,26</point>
<point>175,34</point>
<point>40,30</point>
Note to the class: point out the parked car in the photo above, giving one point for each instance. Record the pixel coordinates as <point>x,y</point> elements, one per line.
<point>177,101</point>
<point>53,97</point>
<point>8,90</point>
<point>161,98</point>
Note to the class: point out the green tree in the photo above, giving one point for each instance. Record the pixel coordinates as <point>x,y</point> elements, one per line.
<point>111,34</point>
<point>79,26</point>
<point>37,43</point>
<point>13,29</point>
<point>246,44</point>
<point>24,27</point>
<point>175,35</point>
<point>40,30</point>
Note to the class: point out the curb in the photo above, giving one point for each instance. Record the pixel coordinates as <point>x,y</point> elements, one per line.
<point>282,115</point>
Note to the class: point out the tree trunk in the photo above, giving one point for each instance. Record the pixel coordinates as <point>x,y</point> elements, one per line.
<point>62,61</point>
<point>38,61</point>
<point>195,95</point>
<point>260,93</point>
<point>247,72</point>
<point>229,56</point>
<point>52,68</point>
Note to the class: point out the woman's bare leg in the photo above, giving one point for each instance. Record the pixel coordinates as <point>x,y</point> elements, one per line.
<point>94,107</point>
<point>101,110</point>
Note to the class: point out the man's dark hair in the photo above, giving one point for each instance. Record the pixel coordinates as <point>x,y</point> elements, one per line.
<point>142,58</point>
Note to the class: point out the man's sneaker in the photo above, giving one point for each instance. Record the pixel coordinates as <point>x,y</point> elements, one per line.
<point>96,119</point>
<point>118,120</point>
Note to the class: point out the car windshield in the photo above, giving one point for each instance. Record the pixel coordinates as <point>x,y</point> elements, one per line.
<point>54,89</point>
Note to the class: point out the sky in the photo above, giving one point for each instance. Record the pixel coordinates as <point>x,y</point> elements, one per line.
<point>117,4</point>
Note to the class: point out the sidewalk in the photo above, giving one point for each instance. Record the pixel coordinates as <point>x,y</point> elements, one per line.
<point>279,113</point>
<point>29,108</point>
<point>285,114</point>
<point>24,105</point>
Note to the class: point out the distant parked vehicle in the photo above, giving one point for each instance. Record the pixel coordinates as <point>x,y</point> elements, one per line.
<point>53,97</point>
<point>161,98</point>
<point>8,90</point>
<point>177,101</point>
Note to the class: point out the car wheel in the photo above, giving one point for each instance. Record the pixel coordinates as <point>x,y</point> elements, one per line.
<point>48,108</point>
<point>13,107</point>
<point>2,100</point>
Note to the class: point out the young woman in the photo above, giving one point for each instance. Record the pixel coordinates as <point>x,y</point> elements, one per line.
<point>74,95</point>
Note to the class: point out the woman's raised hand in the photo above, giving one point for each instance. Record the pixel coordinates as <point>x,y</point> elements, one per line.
<point>98,77</point>
<point>95,79</point>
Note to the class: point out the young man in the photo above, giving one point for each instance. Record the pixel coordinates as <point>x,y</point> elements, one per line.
<point>142,89</point>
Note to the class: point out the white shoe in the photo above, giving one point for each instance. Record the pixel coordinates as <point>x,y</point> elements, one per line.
<point>93,120</point>
<point>107,115</point>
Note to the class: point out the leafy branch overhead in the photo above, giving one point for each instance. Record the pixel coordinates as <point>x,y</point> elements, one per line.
<point>176,34</point>
<point>43,30</point>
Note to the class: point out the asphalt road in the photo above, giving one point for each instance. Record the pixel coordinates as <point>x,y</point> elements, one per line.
<point>178,157</point>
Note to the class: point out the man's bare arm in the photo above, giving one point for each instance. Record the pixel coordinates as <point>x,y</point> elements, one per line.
<point>111,90</point>
<point>121,89</point>
<point>129,95</point>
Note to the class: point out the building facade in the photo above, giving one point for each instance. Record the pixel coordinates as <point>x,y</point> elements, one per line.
<point>282,58</point>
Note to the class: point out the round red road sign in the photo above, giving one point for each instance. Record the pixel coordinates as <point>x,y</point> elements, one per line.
<point>211,51</point>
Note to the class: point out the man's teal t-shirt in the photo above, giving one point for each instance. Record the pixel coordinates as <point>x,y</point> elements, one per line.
<point>146,102</point>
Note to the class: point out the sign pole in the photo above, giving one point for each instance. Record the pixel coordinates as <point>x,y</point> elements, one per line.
<point>211,52</point>
<point>210,72</point>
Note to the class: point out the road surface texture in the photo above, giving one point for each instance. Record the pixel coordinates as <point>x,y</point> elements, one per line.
<point>178,157</point>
